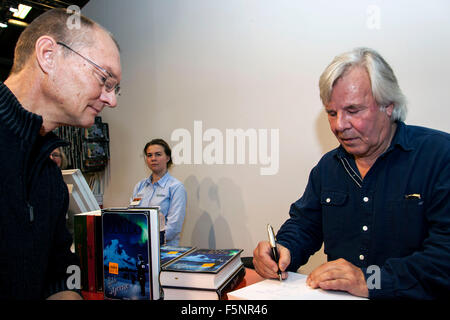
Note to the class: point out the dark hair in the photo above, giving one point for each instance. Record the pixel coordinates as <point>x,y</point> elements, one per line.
<point>162,143</point>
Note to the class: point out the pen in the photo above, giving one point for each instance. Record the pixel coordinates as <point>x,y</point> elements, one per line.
<point>273,245</point>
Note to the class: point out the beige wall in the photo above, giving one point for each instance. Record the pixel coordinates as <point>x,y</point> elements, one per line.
<point>254,64</point>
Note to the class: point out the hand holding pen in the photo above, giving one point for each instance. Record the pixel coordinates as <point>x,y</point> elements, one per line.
<point>263,258</point>
<point>273,246</point>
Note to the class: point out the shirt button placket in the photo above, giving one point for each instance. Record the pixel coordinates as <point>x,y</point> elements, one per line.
<point>365,229</point>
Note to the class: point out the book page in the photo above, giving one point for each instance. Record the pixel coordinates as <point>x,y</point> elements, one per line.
<point>293,288</point>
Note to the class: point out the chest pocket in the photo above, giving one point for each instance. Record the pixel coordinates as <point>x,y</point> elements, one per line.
<point>407,223</point>
<point>334,215</point>
<point>160,195</point>
<point>161,198</point>
<point>332,199</point>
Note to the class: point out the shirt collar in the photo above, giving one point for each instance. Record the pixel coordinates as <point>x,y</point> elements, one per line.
<point>161,182</point>
<point>400,139</point>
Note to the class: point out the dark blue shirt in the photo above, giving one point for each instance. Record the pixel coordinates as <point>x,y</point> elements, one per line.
<point>397,218</point>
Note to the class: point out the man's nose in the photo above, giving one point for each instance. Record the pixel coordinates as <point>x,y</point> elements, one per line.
<point>109,98</point>
<point>342,122</point>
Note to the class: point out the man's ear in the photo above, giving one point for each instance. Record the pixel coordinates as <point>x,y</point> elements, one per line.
<point>45,50</point>
<point>389,110</point>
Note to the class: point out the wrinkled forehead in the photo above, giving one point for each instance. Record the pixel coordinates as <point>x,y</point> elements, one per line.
<point>355,78</point>
<point>104,51</point>
<point>353,88</point>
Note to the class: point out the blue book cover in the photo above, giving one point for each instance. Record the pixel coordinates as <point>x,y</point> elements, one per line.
<point>170,253</point>
<point>203,260</point>
<point>126,260</point>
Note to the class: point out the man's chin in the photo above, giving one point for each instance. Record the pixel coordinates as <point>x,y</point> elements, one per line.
<point>86,122</point>
<point>352,149</point>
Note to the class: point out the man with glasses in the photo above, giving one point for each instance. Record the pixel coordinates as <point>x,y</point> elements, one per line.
<point>61,76</point>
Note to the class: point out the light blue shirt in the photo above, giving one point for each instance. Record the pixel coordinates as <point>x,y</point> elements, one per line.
<point>170,195</point>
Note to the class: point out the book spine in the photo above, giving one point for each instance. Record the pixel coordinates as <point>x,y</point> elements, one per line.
<point>80,239</point>
<point>231,284</point>
<point>154,254</point>
<point>98,253</point>
<point>91,268</point>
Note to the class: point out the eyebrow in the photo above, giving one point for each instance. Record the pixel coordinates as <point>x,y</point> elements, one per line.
<point>111,73</point>
<point>350,106</point>
<point>353,106</point>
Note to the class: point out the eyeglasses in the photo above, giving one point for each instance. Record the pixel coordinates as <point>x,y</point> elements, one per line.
<point>108,80</point>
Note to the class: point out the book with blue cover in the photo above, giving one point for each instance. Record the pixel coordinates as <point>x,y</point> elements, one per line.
<point>168,254</point>
<point>131,262</point>
<point>201,268</point>
<point>179,293</point>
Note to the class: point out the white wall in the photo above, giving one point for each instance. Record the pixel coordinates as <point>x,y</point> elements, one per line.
<point>255,64</point>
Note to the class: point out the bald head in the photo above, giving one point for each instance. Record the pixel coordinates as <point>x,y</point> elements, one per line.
<point>54,23</point>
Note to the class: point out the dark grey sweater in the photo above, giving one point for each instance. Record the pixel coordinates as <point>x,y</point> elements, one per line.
<point>34,242</point>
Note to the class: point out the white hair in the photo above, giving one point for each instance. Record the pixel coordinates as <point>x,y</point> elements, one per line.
<point>385,88</point>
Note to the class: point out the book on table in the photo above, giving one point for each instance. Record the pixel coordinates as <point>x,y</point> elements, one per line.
<point>131,251</point>
<point>201,268</point>
<point>169,254</point>
<point>180,293</point>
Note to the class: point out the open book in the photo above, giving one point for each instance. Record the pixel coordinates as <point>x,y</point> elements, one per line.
<point>293,288</point>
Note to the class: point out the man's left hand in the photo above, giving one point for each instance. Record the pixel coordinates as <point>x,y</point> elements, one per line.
<point>339,275</point>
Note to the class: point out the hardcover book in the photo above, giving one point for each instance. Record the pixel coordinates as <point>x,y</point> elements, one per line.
<point>179,293</point>
<point>131,262</point>
<point>202,268</point>
<point>170,253</point>
<point>89,249</point>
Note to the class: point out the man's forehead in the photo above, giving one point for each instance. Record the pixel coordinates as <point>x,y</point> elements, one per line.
<point>353,81</point>
<point>106,52</point>
<point>355,76</point>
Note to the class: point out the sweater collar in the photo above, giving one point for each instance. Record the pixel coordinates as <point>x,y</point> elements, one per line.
<point>24,124</point>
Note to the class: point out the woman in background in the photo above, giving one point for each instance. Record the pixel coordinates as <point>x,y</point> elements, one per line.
<point>161,189</point>
<point>59,158</point>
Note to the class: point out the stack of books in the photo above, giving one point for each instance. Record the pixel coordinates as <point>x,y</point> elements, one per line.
<point>189,273</point>
<point>121,258</point>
